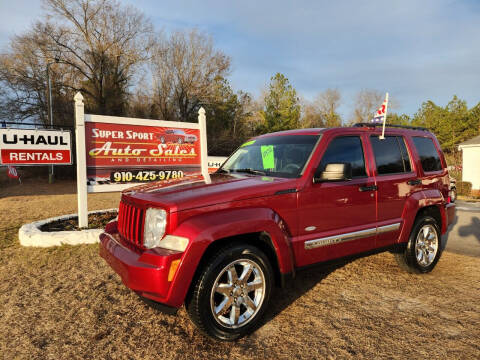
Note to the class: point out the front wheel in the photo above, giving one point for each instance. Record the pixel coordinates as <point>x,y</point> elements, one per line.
<point>231,293</point>
<point>423,249</point>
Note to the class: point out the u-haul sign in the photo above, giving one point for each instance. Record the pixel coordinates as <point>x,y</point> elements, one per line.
<point>35,147</point>
<point>214,163</point>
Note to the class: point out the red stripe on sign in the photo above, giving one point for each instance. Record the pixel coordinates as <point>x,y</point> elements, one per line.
<point>31,157</point>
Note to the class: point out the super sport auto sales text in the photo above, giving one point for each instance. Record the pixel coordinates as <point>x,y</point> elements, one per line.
<point>108,149</point>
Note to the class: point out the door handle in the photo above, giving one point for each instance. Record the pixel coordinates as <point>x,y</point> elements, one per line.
<point>414,182</point>
<point>367,188</point>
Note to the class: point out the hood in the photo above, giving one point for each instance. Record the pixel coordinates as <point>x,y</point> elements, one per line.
<point>193,191</point>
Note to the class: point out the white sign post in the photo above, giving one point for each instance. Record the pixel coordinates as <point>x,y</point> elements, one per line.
<point>202,122</point>
<point>81,162</point>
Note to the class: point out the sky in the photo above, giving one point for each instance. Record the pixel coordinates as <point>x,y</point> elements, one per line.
<point>415,50</point>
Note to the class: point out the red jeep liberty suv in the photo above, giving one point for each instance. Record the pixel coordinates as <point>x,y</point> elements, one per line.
<point>281,202</point>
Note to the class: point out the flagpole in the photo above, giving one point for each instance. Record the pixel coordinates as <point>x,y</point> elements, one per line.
<point>382,137</point>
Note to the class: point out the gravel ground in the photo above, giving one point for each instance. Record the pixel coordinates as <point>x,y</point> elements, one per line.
<point>66,303</point>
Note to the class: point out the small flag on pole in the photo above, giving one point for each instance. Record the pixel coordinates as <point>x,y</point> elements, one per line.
<point>12,172</point>
<point>381,113</point>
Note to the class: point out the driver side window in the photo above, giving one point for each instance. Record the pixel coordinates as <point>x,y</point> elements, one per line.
<point>345,149</point>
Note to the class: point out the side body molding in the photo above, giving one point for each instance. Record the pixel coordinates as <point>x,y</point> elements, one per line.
<point>336,239</point>
<point>204,229</point>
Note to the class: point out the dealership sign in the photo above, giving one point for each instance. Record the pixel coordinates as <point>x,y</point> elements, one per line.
<point>114,153</point>
<point>35,147</point>
<point>124,151</point>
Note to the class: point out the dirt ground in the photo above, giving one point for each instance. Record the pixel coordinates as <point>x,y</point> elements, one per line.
<point>66,303</point>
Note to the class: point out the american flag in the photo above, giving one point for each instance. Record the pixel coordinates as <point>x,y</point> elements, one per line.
<point>12,171</point>
<point>381,112</point>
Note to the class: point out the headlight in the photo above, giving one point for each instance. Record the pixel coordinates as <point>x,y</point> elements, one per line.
<point>154,229</point>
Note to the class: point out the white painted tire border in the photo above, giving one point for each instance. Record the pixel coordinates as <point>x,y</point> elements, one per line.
<point>30,234</point>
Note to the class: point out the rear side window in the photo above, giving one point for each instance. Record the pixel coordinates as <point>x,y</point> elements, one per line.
<point>428,153</point>
<point>391,156</point>
<point>345,149</point>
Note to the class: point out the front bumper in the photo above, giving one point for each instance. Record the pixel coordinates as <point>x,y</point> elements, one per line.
<point>146,273</point>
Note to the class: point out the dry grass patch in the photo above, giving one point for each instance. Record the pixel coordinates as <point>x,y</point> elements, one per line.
<point>65,302</point>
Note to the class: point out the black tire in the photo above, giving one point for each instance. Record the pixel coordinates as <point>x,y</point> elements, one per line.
<point>408,260</point>
<point>199,302</point>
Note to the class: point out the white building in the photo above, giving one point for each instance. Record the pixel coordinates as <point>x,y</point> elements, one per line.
<point>471,162</point>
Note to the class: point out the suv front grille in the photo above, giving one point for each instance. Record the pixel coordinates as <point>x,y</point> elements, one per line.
<point>130,223</point>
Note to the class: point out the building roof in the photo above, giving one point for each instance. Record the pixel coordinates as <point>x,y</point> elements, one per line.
<point>472,141</point>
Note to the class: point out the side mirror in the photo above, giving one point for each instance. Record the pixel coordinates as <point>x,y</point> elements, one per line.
<point>334,172</point>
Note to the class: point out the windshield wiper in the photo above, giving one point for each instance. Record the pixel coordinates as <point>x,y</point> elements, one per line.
<point>249,171</point>
<point>223,171</point>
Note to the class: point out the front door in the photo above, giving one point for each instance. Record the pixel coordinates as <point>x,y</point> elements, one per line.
<point>337,219</point>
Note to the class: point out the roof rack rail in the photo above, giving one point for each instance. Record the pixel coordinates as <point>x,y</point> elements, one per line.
<point>373,125</point>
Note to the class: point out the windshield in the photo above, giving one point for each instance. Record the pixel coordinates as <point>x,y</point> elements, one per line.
<point>280,156</point>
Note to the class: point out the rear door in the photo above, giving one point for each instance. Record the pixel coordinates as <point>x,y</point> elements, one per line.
<point>434,172</point>
<point>395,182</point>
<point>337,219</point>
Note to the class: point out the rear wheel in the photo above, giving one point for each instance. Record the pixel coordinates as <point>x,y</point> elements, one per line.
<point>231,293</point>
<point>423,249</point>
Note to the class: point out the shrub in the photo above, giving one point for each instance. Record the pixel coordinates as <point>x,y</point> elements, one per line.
<point>476,194</point>
<point>464,188</point>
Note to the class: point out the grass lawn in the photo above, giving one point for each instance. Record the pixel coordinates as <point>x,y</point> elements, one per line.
<point>66,303</point>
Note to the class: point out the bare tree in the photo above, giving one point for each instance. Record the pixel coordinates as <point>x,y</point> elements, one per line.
<point>103,42</point>
<point>254,120</point>
<point>185,66</point>
<point>328,102</point>
<point>23,81</point>
<point>311,115</point>
<point>98,44</point>
<point>367,101</point>
<point>323,111</point>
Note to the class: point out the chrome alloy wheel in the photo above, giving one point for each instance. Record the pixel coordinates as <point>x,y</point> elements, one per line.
<point>426,246</point>
<point>237,293</point>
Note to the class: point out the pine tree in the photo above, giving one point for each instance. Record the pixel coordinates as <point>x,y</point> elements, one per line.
<point>282,107</point>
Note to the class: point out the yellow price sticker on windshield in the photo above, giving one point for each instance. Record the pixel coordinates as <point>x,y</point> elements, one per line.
<point>268,158</point>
